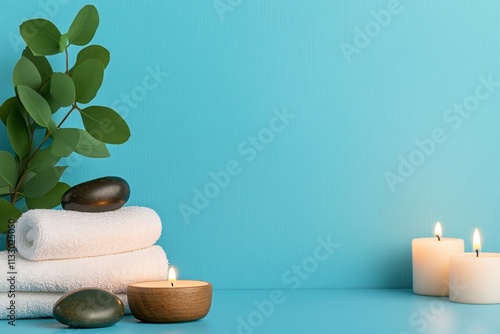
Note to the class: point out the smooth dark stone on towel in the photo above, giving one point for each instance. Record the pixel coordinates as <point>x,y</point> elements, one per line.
<point>89,308</point>
<point>99,195</point>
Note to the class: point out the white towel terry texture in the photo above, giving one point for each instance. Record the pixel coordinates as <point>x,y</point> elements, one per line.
<point>60,234</point>
<point>60,251</point>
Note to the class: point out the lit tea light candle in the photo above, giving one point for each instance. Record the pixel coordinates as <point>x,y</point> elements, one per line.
<point>172,276</point>
<point>475,277</point>
<point>170,301</point>
<point>431,262</point>
<point>476,242</point>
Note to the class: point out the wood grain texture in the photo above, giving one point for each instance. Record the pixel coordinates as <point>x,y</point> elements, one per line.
<point>161,305</point>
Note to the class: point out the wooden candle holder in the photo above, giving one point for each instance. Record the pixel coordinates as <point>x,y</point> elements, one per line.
<point>160,302</point>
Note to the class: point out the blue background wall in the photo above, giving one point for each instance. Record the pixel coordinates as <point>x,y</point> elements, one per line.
<point>324,175</point>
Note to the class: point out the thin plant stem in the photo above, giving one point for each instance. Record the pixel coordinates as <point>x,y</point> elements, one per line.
<point>67,65</point>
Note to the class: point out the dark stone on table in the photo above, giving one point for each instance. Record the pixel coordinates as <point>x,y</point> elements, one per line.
<point>89,308</point>
<point>99,195</point>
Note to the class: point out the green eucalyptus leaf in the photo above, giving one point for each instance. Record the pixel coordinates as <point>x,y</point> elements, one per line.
<point>27,178</point>
<point>50,199</point>
<point>84,26</point>
<point>5,190</point>
<point>42,64</point>
<point>8,169</point>
<point>8,212</point>
<point>41,183</point>
<point>95,52</point>
<point>36,105</point>
<point>7,107</point>
<point>42,160</point>
<point>62,89</point>
<point>45,92</point>
<point>42,36</point>
<point>87,78</point>
<point>17,130</point>
<point>105,124</point>
<point>69,140</point>
<point>65,142</point>
<point>63,42</point>
<point>25,73</point>
<point>90,147</point>
<point>52,127</point>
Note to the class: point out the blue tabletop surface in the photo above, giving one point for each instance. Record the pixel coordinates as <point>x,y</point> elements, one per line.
<point>309,311</point>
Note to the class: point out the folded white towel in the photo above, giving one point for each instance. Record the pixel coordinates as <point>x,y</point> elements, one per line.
<point>37,304</point>
<point>110,272</point>
<point>59,234</point>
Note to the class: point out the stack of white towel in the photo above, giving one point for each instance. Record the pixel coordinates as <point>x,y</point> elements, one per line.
<point>59,251</point>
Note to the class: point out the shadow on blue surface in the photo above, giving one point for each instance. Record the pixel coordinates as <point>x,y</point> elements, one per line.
<point>310,311</point>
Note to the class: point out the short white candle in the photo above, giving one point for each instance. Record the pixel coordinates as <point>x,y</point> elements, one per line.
<point>475,277</point>
<point>431,261</point>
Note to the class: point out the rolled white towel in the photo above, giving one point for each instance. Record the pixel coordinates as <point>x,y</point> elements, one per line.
<point>59,234</point>
<point>109,272</point>
<point>37,304</point>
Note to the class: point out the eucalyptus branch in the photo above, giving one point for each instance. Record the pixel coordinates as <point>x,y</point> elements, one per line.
<point>73,107</point>
<point>43,84</point>
<point>25,168</point>
<point>67,66</point>
<point>18,187</point>
<point>47,135</point>
<point>31,130</point>
<point>66,90</point>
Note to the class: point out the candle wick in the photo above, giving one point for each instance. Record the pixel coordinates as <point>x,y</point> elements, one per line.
<point>439,238</point>
<point>172,284</point>
<point>477,252</point>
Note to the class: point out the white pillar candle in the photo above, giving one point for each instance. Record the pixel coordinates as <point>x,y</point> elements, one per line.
<point>431,261</point>
<point>475,277</point>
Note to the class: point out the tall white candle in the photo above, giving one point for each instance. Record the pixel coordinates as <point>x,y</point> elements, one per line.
<point>431,261</point>
<point>475,277</point>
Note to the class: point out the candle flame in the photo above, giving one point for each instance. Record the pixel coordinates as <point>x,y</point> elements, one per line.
<point>172,277</point>
<point>438,232</point>
<point>476,241</point>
